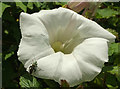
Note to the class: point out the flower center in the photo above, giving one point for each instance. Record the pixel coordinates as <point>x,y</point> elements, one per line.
<point>65,43</point>
<point>66,47</point>
<point>58,46</point>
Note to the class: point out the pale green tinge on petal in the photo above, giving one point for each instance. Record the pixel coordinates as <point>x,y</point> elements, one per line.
<point>35,41</point>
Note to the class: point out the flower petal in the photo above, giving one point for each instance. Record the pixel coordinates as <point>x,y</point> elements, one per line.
<point>56,21</point>
<point>59,67</point>
<point>83,64</point>
<point>90,29</point>
<point>61,22</point>
<point>91,55</point>
<point>35,41</point>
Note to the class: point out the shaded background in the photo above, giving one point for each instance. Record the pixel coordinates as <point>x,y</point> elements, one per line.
<point>13,72</point>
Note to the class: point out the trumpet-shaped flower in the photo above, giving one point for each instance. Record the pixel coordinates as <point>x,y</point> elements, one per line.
<point>64,44</point>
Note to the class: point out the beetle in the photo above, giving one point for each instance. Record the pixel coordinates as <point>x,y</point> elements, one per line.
<point>32,68</point>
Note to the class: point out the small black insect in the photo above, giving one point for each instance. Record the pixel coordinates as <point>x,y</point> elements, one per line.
<point>33,67</point>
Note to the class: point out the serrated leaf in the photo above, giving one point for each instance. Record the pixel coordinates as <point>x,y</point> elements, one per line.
<point>24,82</point>
<point>28,81</point>
<point>21,5</point>
<point>106,13</point>
<point>3,6</point>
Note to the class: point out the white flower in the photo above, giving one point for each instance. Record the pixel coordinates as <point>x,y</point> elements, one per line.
<point>80,44</point>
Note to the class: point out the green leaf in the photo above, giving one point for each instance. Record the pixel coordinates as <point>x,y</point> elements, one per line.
<point>118,77</point>
<point>21,5</point>
<point>60,3</point>
<point>28,81</point>
<point>106,13</point>
<point>113,32</point>
<point>37,4</point>
<point>30,4</point>
<point>116,71</point>
<point>8,55</point>
<point>113,48</point>
<point>111,79</point>
<point>3,6</point>
<point>112,87</point>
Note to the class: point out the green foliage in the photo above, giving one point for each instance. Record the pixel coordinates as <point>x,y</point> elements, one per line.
<point>8,55</point>
<point>113,32</point>
<point>106,13</point>
<point>30,5</point>
<point>29,81</point>
<point>51,83</point>
<point>113,48</point>
<point>116,71</point>
<point>3,6</point>
<point>21,5</point>
<point>14,73</point>
<point>37,4</point>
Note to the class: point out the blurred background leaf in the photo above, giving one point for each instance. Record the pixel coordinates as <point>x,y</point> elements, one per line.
<point>106,13</point>
<point>113,48</point>
<point>3,6</point>
<point>21,5</point>
<point>30,5</point>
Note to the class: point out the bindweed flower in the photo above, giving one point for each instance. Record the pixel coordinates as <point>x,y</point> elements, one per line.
<point>60,44</point>
<point>89,6</point>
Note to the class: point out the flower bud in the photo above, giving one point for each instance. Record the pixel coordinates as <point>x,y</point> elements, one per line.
<point>78,6</point>
<point>84,5</point>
